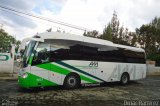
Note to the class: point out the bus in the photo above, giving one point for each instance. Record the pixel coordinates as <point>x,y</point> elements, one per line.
<point>54,58</point>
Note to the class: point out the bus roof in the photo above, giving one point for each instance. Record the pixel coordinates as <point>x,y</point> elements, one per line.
<point>67,36</point>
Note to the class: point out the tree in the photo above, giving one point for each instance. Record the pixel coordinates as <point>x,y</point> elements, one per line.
<point>93,34</point>
<point>147,38</point>
<point>111,31</point>
<point>115,27</point>
<point>6,40</point>
<point>107,33</point>
<point>133,41</point>
<point>121,32</point>
<point>156,23</point>
<point>150,39</point>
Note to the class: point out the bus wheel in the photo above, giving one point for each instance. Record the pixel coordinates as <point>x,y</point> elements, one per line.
<point>124,78</point>
<point>72,81</point>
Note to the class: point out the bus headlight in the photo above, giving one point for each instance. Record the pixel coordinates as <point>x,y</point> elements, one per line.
<point>24,75</point>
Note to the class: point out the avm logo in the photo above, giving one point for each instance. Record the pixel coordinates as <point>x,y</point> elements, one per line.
<point>93,64</point>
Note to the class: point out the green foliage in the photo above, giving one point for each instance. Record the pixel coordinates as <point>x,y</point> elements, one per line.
<point>154,56</point>
<point>107,33</point>
<point>146,37</point>
<point>149,39</point>
<point>93,34</point>
<point>6,40</point>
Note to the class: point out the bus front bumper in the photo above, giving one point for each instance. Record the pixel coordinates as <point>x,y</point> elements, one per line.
<point>23,82</point>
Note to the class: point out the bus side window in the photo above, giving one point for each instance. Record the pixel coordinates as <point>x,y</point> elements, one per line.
<point>90,53</point>
<point>41,54</point>
<point>65,50</point>
<point>110,54</point>
<point>134,57</point>
<point>75,52</point>
<point>58,52</point>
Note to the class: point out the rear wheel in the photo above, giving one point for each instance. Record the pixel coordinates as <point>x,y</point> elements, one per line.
<point>124,78</point>
<point>72,81</point>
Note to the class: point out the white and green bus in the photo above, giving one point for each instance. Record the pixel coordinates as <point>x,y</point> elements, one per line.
<point>53,58</point>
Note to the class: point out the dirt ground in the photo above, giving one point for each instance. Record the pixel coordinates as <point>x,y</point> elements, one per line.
<point>109,94</point>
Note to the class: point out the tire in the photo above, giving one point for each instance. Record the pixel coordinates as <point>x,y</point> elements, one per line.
<point>124,78</point>
<point>71,81</point>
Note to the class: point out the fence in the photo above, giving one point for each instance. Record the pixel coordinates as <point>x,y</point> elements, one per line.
<point>152,69</point>
<point>6,63</point>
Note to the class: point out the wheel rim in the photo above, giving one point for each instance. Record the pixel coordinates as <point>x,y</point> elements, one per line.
<point>124,79</point>
<point>72,81</point>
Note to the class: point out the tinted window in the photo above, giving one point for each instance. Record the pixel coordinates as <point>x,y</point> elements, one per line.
<point>65,50</point>
<point>76,50</point>
<point>134,57</point>
<point>90,51</point>
<point>109,53</point>
<point>73,50</point>
<point>59,51</point>
<point>41,54</point>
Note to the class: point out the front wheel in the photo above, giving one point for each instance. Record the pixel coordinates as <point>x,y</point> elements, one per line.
<point>72,81</point>
<point>124,78</point>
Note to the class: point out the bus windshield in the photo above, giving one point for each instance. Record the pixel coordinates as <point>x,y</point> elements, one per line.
<point>27,53</point>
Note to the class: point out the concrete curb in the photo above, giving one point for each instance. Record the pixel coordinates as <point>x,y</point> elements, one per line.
<point>8,79</point>
<point>8,76</point>
<point>153,73</point>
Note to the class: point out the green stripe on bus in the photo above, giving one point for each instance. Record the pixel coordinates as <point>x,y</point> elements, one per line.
<point>54,68</point>
<point>31,81</point>
<point>78,70</point>
<point>87,79</point>
<point>60,70</point>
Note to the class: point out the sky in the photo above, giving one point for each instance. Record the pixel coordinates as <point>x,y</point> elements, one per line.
<point>90,14</point>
